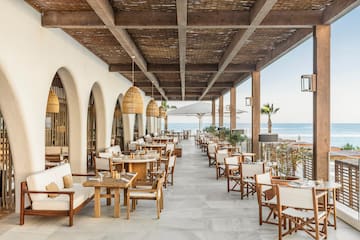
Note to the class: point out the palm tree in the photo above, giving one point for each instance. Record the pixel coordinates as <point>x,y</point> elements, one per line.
<point>268,109</point>
<point>166,107</point>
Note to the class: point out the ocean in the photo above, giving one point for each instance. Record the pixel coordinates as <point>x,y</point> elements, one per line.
<point>341,133</point>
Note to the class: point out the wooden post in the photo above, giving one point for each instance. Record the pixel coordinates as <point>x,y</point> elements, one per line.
<point>255,130</point>
<point>321,102</point>
<point>213,113</point>
<point>233,108</point>
<point>221,111</point>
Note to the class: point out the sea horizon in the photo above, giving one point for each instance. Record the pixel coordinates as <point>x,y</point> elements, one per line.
<point>341,133</point>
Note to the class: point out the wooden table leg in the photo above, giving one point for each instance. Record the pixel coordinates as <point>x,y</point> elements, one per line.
<point>97,211</point>
<point>125,196</point>
<point>116,202</point>
<point>108,199</point>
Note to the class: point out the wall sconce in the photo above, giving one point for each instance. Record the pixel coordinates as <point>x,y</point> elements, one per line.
<point>308,83</point>
<point>248,101</point>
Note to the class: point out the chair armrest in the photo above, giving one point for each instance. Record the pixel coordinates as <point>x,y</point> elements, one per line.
<point>83,174</point>
<point>142,190</point>
<point>51,192</point>
<point>321,194</point>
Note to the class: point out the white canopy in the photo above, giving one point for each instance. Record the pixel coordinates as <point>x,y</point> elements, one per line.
<point>198,110</point>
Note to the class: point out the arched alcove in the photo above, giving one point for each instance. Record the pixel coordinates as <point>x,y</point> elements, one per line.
<point>91,133</point>
<point>56,125</point>
<point>117,132</point>
<point>7,173</point>
<point>96,125</point>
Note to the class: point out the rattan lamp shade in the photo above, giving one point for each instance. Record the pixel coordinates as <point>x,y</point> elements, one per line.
<point>132,102</point>
<point>162,112</point>
<point>152,109</point>
<point>52,103</point>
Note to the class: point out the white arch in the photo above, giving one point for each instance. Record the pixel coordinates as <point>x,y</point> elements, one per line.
<point>102,140</point>
<point>77,157</point>
<point>17,132</point>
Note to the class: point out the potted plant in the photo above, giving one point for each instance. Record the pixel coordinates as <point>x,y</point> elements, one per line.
<point>288,159</point>
<point>235,137</point>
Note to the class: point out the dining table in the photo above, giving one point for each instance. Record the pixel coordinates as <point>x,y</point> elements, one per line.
<point>112,186</point>
<point>136,163</point>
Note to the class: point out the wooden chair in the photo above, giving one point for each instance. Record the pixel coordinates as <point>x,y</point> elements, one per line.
<point>211,151</point>
<point>220,155</point>
<point>103,164</point>
<point>232,172</point>
<point>247,175</point>
<point>155,193</point>
<point>169,170</point>
<point>266,197</point>
<point>301,207</point>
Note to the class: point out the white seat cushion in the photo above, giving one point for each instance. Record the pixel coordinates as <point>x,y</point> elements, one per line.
<point>302,214</point>
<point>143,194</point>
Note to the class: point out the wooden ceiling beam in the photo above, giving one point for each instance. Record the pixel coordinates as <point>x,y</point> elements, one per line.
<point>338,9</point>
<point>174,68</point>
<point>181,13</point>
<point>200,20</point>
<point>258,12</point>
<point>176,84</point>
<point>105,12</point>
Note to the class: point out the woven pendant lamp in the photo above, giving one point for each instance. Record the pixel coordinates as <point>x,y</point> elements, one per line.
<point>53,105</point>
<point>133,102</point>
<point>162,112</point>
<point>152,109</point>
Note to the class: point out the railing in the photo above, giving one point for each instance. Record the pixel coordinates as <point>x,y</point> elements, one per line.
<point>347,173</point>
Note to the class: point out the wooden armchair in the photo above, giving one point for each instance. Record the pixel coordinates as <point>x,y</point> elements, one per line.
<point>154,193</point>
<point>301,207</point>
<point>220,155</point>
<point>211,151</point>
<point>232,172</point>
<point>247,175</point>
<point>266,197</point>
<point>169,170</point>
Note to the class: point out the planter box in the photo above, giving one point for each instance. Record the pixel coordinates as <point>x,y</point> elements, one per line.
<point>178,152</point>
<point>266,137</point>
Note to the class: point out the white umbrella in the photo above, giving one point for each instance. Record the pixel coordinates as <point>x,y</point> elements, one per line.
<point>198,110</point>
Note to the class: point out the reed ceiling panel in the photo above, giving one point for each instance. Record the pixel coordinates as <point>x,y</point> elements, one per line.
<point>158,45</point>
<point>302,4</point>
<point>197,77</point>
<point>144,5</point>
<point>261,43</point>
<point>207,45</point>
<point>219,5</point>
<point>60,5</point>
<point>102,43</point>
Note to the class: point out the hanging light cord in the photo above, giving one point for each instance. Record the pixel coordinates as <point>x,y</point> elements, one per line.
<point>133,69</point>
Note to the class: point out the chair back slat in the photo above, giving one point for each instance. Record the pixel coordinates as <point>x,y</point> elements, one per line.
<point>263,178</point>
<point>212,148</point>
<point>250,170</point>
<point>296,197</point>
<point>221,155</point>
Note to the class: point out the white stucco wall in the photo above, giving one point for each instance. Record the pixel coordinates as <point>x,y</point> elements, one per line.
<point>30,55</point>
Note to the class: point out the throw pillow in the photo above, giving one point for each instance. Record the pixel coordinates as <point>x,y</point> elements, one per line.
<point>53,188</point>
<point>68,181</point>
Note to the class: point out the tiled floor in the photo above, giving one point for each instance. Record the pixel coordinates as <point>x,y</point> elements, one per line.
<point>196,207</point>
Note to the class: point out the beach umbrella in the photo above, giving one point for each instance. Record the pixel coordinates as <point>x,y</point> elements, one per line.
<point>198,109</point>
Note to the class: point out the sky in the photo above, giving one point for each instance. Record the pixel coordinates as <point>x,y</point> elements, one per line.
<point>280,81</point>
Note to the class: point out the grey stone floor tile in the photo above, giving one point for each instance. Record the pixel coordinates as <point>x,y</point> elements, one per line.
<point>197,207</point>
